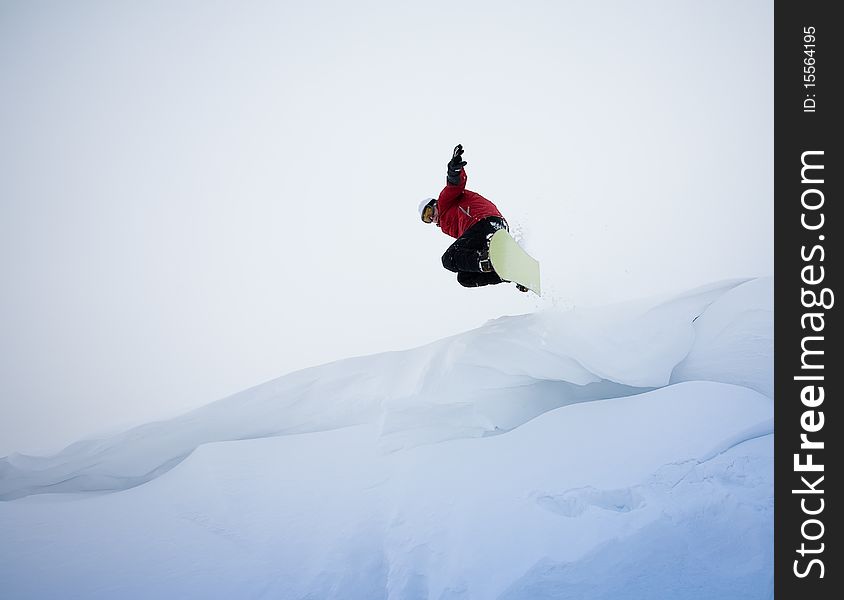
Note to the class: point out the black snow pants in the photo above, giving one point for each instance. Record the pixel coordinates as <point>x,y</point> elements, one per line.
<point>463,255</point>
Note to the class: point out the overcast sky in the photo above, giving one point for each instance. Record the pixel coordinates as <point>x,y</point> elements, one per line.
<point>198,197</point>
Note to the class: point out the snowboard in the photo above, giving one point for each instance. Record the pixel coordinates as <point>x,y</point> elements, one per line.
<point>512,263</point>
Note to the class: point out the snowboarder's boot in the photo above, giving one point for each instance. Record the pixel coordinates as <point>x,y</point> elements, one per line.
<point>483,262</point>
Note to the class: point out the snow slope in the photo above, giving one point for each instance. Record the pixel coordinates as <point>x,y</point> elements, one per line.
<point>615,452</point>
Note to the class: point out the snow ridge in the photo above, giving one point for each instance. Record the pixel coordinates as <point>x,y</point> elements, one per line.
<point>483,382</point>
<point>616,452</point>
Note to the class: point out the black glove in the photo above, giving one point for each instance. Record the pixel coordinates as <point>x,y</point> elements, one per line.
<point>455,165</point>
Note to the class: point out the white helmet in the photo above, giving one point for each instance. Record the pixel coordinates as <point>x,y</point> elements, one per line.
<point>427,205</point>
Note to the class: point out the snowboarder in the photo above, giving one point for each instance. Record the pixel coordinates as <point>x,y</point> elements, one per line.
<point>470,218</point>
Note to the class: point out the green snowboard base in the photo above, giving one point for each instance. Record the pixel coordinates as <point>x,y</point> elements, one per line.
<point>512,263</point>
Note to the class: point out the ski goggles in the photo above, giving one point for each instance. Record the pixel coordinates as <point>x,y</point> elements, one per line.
<point>428,212</point>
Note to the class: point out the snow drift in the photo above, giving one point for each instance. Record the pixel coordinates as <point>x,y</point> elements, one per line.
<point>622,451</point>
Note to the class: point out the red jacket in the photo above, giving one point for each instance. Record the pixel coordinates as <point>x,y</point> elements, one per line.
<point>460,208</point>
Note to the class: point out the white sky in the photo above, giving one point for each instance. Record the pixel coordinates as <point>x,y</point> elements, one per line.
<point>196,197</point>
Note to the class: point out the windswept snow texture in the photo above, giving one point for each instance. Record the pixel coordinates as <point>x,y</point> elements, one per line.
<point>616,452</point>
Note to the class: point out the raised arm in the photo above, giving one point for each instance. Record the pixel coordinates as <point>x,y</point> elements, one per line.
<point>455,180</point>
<point>455,167</point>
